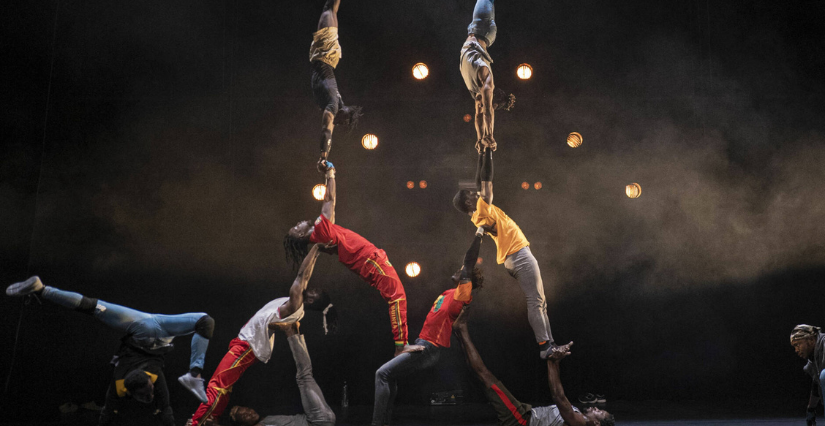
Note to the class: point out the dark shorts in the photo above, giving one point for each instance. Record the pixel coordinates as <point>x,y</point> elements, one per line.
<point>324,87</point>
<point>509,410</point>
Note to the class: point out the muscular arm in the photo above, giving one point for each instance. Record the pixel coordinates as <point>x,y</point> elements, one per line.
<point>110,407</point>
<point>813,399</point>
<point>471,257</point>
<point>487,110</point>
<point>296,292</point>
<point>329,17</point>
<point>479,120</point>
<point>328,209</point>
<point>570,417</point>
<point>326,133</point>
<point>486,191</point>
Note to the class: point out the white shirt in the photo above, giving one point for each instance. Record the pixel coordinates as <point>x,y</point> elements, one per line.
<point>256,332</point>
<point>547,416</point>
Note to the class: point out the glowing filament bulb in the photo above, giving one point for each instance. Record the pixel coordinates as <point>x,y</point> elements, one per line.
<point>369,141</point>
<point>319,191</point>
<point>634,190</point>
<point>413,269</point>
<point>574,140</point>
<point>420,71</point>
<point>524,71</point>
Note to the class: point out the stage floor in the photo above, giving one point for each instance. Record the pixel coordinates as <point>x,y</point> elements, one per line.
<point>636,413</point>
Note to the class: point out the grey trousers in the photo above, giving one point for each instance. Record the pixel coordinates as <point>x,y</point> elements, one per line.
<point>316,410</point>
<point>523,267</point>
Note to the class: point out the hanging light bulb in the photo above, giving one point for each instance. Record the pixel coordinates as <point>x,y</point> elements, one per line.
<point>524,71</point>
<point>319,191</point>
<point>420,71</point>
<point>369,141</point>
<point>634,190</point>
<point>574,140</point>
<point>413,269</point>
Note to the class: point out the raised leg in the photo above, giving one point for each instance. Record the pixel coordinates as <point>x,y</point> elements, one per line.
<point>317,411</point>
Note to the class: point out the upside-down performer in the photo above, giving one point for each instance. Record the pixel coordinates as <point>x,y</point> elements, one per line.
<point>316,411</point>
<point>254,342</point>
<point>357,254</point>
<point>512,412</point>
<point>513,249</point>
<point>139,361</point>
<point>324,54</point>
<point>475,67</point>
<point>434,337</point>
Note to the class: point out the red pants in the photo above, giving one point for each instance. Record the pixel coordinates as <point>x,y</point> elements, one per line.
<point>384,278</point>
<point>231,368</point>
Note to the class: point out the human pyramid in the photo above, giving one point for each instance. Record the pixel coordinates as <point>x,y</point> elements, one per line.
<point>138,363</point>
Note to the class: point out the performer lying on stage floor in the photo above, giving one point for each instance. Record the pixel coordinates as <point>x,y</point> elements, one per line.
<point>512,412</point>
<point>358,254</point>
<point>316,410</point>
<point>254,342</point>
<point>324,54</point>
<point>139,361</point>
<point>434,337</point>
<point>475,67</point>
<point>512,246</point>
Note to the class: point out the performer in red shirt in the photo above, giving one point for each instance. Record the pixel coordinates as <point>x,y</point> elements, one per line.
<point>358,254</point>
<point>435,335</point>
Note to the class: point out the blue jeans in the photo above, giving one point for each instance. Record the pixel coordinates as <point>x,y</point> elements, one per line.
<point>484,21</point>
<point>386,378</point>
<point>149,330</point>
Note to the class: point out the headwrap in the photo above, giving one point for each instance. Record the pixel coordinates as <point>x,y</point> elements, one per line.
<point>804,331</point>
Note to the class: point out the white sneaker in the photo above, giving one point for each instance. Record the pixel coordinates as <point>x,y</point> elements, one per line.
<point>23,288</point>
<point>195,385</point>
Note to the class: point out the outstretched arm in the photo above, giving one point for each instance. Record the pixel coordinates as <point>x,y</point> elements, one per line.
<point>329,16</point>
<point>326,133</point>
<point>328,209</point>
<point>487,110</point>
<point>570,417</point>
<point>470,352</point>
<point>296,292</point>
<point>486,190</point>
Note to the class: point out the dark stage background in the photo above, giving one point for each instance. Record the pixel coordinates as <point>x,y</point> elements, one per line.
<point>155,153</point>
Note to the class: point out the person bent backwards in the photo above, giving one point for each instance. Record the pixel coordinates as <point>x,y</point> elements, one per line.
<point>356,253</point>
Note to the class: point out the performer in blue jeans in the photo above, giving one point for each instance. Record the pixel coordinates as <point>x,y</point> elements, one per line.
<point>476,69</point>
<point>150,333</point>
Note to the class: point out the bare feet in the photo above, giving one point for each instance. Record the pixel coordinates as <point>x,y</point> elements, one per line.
<point>407,349</point>
<point>559,352</point>
<point>290,329</point>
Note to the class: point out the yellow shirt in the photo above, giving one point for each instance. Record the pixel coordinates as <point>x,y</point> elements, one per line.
<point>510,239</point>
<point>325,47</point>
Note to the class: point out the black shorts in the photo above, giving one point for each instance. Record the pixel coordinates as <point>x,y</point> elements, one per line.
<point>324,87</point>
<point>509,410</point>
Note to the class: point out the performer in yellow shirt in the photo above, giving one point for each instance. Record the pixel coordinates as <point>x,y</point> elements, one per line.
<point>512,247</point>
<point>324,54</point>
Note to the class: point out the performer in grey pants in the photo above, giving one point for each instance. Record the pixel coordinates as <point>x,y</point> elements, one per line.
<point>316,410</point>
<point>513,249</point>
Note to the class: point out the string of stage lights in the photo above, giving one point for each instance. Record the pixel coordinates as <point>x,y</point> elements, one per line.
<point>421,71</point>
